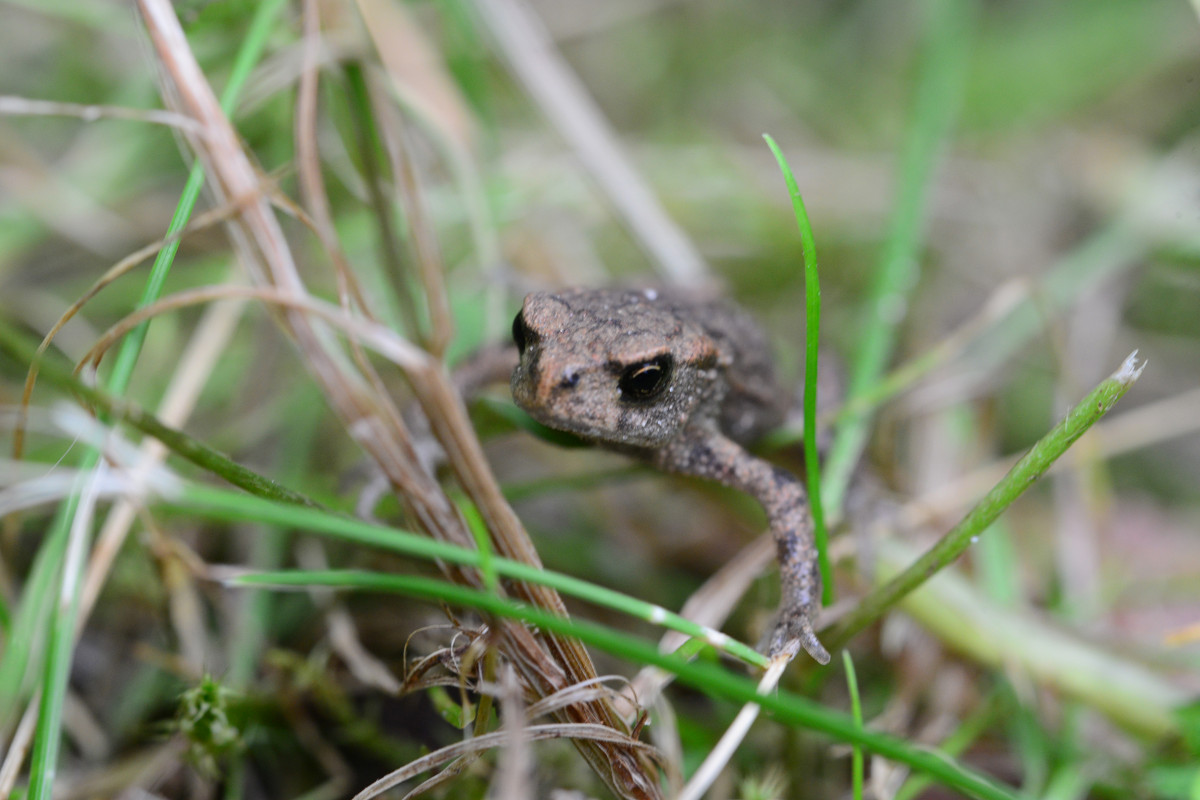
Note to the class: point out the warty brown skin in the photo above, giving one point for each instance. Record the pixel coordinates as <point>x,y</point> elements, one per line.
<point>681,382</point>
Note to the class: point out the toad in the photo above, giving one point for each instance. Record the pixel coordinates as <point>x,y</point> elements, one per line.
<point>682,383</point>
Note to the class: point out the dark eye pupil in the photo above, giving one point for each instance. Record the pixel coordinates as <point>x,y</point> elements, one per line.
<point>518,333</point>
<point>645,380</point>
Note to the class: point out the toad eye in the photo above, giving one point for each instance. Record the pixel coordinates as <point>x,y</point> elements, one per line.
<point>645,380</point>
<point>521,333</point>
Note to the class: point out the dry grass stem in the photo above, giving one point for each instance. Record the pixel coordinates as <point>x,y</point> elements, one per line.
<point>341,628</point>
<point>720,756</point>
<point>514,768</point>
<point>18,746</point>
<point>534,733</point>
<point>1152,423</point>
<point>122,267</point>
<point>615,758</point>
<point>23,106</point>
<point>308,160</point>
<point>196,363</point>
<point>379,338</point>
<point>429,93</point>
<point>431,270</point>
<point>417,71</point>
<point>709,605</point>
<point>1027,645</point>
<point>565,101</point>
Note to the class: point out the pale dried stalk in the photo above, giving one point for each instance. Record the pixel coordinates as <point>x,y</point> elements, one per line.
<point>533,733</point>
<point>579,692</point>
<point>198,359</point>
<point>451,771</point>
<point>1162,420</point>
<point>619,760</point>
<point>123,266</point>
<point>424,85</point>
<point>720,755</point>
<point>308,160</point>
<point>709,605</point>
<point>185,609</point>
<point>24,106</point>
<point>340,627</point>
<point>563,98</point>
<point>629,775</point>
<point>372,334</point>
<point>18,746</point>
<point>515,761</point>
<point>458,158</point>
<point>424,246</point>
<point>417,70</point>
<point>312,186</point>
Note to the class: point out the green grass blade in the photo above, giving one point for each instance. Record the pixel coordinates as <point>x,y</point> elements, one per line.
<point>1031,466</point>
<point>52,370</point>
<point>63,619</point>
<point>935,107</point>
<point>856,754</point>
<point>963,736</point>
<point>714,681</point>
<point>226,505</point>
<point>483,541</point>
<point>1102,255</point>
<point>253,631</point>
<point>1099,257</point>
<point>29,625</point>
<point>1135,696</point>
<point>248,55</point>
<point>812,334</point>
<point>61,646</point>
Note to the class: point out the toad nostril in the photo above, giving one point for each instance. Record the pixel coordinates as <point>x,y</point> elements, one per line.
<point>570,379</point>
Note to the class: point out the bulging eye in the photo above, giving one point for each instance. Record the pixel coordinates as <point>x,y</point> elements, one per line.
<point>520,333</point>
<point>645,380</point>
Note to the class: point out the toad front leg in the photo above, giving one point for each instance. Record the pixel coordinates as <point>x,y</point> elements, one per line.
<point>708,454</point>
